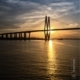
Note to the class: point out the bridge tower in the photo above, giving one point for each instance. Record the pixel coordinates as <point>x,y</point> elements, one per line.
<point>47,28</point>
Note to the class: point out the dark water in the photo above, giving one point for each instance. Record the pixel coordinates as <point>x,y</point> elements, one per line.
<point>39,60</point>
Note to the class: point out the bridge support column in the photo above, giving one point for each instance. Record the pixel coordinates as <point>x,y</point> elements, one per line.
<point>20,35</point>
<point>15,35</point>
<point>29,35</point>
<point>24,35</point>
<point>2,36</point>
<point>6,36</point>
<point>47,28</point>
<point>10,35</point>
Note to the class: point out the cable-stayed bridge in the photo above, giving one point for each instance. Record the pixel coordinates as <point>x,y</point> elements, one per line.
<point>23,34</point>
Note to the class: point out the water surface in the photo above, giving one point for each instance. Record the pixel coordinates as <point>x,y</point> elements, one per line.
<point>39,60</point>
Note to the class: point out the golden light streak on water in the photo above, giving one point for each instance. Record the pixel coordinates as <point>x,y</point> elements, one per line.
<point>51,59</point>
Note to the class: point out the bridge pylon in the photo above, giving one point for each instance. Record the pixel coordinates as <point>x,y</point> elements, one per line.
<point>47,28</point>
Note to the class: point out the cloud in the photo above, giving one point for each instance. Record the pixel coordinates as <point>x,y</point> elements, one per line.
<point>74,25</point>
<point>16,14</point>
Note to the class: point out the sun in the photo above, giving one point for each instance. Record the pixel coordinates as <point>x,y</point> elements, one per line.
<point>52,31</point>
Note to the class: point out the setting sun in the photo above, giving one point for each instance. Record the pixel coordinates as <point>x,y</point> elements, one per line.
<point>52,31</point>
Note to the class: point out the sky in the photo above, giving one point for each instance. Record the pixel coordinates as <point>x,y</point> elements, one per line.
<point>18,15</point>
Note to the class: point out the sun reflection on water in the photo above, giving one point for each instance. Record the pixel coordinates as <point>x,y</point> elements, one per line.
<point>51,59</point>
<point>50,51</point>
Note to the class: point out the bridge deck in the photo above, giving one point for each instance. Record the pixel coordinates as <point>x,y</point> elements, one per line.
<point>42,30</point>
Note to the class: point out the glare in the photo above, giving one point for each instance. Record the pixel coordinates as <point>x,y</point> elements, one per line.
<point>51,30</point>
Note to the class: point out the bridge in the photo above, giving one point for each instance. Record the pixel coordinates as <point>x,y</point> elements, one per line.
<point>46,30</point>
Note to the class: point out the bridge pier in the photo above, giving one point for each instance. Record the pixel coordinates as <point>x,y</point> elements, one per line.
<point>24,35</point>
<point>6,36</point>
<point>15,35</point>
<point>47,28</point>
<point>29,35</point>
<point>10,35</point>
<point>20,35</point>
<point>2,36</point>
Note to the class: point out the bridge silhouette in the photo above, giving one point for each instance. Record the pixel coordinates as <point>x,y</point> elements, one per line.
<point>23,34</point>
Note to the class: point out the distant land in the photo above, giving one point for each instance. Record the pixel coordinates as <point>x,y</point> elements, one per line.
<point>35,38</point>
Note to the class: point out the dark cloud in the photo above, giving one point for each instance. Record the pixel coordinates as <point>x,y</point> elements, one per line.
<point>10,11</point>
